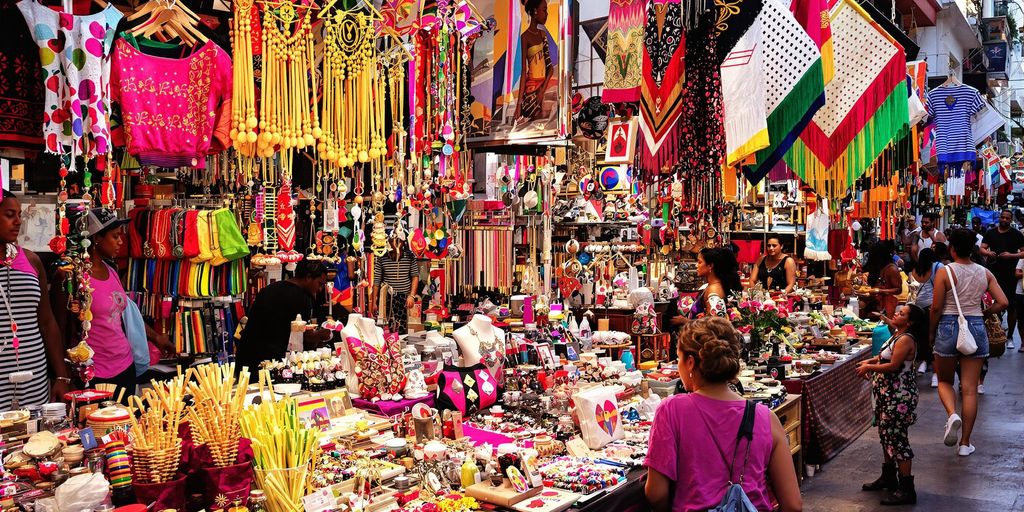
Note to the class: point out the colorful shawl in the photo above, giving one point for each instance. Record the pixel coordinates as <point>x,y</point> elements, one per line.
<point>793,81</point>
<point>813,16</point>
<point>662,91</point>
<point>745,119</point>
<point>622,69</point>
<point>867,107</point>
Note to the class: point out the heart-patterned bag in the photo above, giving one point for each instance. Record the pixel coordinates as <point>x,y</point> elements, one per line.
<point>466,389</point>
<point>598,413</point>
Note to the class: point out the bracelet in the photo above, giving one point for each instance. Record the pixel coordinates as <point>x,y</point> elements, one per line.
<point>65,379</point>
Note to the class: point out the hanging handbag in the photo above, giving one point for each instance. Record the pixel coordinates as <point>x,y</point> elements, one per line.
<point>965,343</point>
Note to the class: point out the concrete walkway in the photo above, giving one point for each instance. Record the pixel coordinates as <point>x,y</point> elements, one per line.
<point>988,480</point>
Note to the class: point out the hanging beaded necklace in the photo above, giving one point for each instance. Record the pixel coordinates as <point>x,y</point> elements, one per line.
<point>8,261</point>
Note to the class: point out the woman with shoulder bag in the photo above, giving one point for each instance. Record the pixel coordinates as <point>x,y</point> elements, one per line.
<point>699,455</point>
<point>957,306</point>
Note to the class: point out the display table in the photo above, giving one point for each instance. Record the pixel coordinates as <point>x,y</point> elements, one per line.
<point>836,408</point>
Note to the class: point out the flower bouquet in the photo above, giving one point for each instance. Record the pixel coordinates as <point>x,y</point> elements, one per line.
<point>766,322</point>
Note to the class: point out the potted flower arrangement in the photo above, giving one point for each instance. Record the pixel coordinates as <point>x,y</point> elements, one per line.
<point>765,322</point>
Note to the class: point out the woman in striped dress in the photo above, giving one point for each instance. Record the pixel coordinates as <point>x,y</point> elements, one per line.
<point>25,316</point>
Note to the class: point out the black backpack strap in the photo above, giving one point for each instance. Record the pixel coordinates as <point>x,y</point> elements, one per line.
<point>746,430</point>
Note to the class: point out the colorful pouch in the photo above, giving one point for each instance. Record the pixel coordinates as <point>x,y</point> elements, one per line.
<point>598,413</point>
<point>232,243</point>
<point>466,389</point>
<point>203,238</point>
<point>218,257</point>
<point>191,242</point>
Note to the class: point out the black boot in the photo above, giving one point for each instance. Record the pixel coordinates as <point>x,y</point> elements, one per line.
<point>905,495</point>
<point>886,482</point>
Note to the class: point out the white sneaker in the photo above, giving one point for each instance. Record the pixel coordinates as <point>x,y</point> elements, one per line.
<point>981,389</point>
<point>1010,345</point>
<point>923,367</point>
<point>935,381</point>
<point>964,451</point>
<point>952,433</point>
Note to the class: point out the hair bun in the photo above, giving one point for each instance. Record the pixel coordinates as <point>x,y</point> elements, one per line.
<point>719,361</point>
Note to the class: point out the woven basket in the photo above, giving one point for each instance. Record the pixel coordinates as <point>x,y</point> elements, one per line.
<point>996,337</point>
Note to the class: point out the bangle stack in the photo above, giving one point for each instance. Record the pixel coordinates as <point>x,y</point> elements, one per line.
<point>582,475</point>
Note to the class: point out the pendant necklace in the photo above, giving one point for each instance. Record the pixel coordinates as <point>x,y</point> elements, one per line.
<point>7,305</point>
<point>487,349</point>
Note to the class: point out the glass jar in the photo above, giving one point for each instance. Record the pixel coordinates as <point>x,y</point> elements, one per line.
<point>566,429</point>
<point>257,501</point>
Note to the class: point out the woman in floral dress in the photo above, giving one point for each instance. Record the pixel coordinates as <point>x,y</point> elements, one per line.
<point>894,387</point>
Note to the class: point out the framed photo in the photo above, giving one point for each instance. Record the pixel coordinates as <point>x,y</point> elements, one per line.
<point>338,402</point>
<point>314,412</point>
<point>621,145</point>
<point>521,72</point>
<point>545,356</point>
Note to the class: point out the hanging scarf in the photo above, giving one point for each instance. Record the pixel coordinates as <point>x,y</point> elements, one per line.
<point>623,69</point>
<point>867,107</point>
<point>745,120</point>
<point>702,136</point>
<point>813,16</point>
<point>662,92</point>
<point>793,83</point>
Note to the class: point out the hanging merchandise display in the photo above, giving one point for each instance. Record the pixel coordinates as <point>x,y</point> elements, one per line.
<point>869,113</point>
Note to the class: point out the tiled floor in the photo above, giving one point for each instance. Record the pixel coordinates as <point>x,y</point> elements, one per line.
<point>989,480</point>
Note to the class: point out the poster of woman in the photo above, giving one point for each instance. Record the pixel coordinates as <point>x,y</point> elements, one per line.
<point>518,71</point>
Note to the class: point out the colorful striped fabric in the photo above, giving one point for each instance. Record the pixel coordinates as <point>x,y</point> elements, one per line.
<point>794,86</point>
<point>866,109</point>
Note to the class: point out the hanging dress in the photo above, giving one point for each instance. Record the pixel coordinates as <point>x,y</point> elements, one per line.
<point>75,55</point>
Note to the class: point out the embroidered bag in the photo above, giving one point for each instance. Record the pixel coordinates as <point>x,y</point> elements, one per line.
<point>466,389</point>
<point>191,237</point>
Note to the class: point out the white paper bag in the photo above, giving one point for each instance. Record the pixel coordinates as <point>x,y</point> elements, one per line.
<point>598,414</point>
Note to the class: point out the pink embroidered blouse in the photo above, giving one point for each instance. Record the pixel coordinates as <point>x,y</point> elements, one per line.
<point>174,111</point>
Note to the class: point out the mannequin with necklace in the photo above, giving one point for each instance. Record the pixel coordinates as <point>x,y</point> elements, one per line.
<point>481,342</point>
<point>376,361</point>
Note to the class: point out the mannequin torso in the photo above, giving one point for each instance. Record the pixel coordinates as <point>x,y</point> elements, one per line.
<point>480,341</point>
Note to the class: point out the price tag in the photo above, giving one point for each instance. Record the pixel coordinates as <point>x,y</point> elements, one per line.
<point>88,438</point>
<point>318,501</point>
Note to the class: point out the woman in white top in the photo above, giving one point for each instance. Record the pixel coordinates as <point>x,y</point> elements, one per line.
<point>972,281</point>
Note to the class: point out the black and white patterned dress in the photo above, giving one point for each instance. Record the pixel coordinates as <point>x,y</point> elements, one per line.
<point>20,284</point>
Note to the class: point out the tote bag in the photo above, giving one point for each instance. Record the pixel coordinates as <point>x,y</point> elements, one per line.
<point>965,343</point>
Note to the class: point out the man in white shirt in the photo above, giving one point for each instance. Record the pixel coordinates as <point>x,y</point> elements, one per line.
<point>928,235</point>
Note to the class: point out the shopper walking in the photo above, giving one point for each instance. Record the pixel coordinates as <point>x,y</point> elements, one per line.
<point>965,282</point>
<point>928,235</point>
<point>1003,245</point>
<point>698,453</point>
<point>894,388</point>
<point>922,286</point>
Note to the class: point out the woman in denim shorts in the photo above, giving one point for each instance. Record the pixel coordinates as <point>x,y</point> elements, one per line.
<point>972,281</point>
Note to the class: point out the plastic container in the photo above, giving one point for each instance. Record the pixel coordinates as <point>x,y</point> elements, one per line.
<point>664,389</point>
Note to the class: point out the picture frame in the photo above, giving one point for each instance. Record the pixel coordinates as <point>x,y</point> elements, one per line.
<point>621,140</point>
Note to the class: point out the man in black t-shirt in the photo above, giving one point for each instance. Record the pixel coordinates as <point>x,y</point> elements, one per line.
<point>1003,245</point>
<point>265,336</point>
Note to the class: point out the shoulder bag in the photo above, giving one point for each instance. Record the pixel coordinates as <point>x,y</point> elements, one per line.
<point>965,343</point>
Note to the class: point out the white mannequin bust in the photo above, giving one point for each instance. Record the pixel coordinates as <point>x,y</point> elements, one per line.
<point>359,327</point>
<point>480,341</point>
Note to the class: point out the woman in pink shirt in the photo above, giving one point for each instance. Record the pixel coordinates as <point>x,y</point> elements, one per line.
<point>693,440</point>
<point>113,359</point>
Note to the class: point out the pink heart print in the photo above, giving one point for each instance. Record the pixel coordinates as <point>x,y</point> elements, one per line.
<point>607,416</point>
